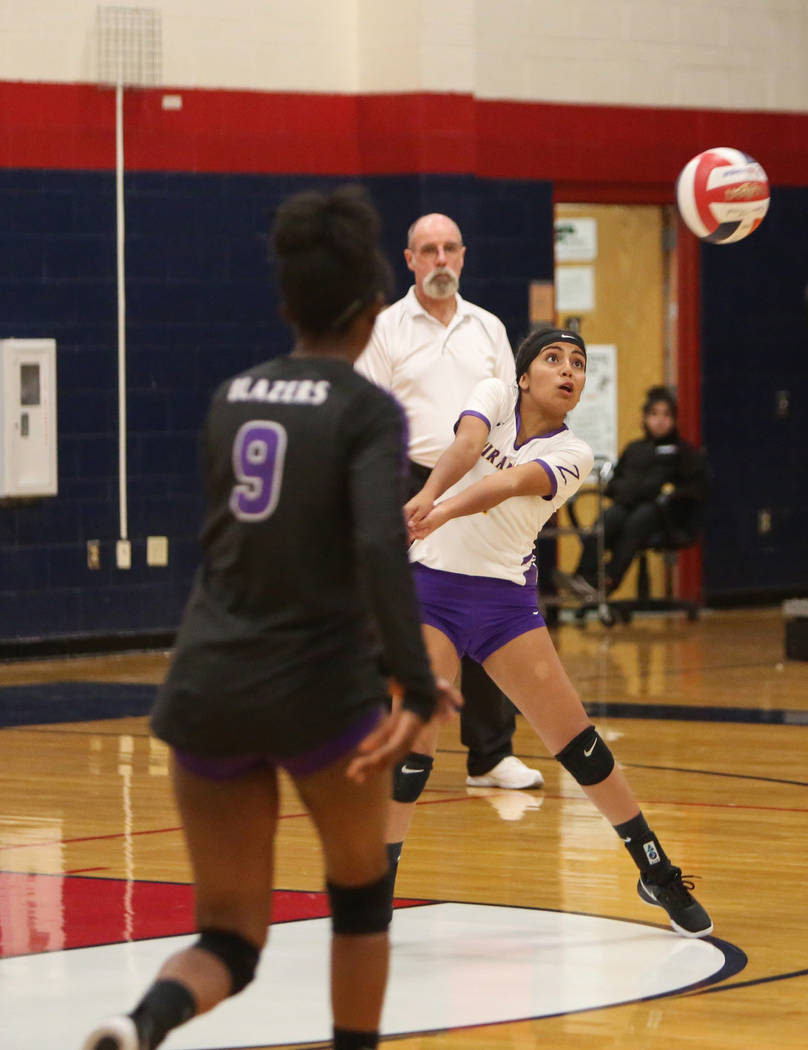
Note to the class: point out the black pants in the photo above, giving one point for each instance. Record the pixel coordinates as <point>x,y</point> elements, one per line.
<point>487,718</point>
<point>626,530</point>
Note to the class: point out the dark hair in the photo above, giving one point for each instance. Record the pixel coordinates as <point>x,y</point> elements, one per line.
<point>657,394</point>
<point>330,266</point>
<point>533,344</point>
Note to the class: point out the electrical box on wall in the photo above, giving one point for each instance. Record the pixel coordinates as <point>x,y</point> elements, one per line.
<point>28,417</point>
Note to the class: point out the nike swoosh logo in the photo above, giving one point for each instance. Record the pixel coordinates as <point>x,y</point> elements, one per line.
<point>591,749</point>
<point>406,769</point>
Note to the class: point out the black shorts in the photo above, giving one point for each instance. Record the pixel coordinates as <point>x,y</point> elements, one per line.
<point>234,766</point>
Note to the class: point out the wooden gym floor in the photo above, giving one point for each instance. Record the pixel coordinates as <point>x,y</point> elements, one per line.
<point>532,934</point>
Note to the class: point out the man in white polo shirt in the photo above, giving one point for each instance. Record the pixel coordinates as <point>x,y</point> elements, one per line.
<point>429,350</point>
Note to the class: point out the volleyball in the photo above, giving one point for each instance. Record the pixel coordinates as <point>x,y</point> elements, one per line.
<point>722,195</point>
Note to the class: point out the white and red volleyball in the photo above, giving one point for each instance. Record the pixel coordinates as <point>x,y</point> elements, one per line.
<point>722,195</point>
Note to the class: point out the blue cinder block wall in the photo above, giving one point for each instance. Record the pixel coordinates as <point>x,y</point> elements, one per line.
<point>755,405</point>
<point>200,306</point>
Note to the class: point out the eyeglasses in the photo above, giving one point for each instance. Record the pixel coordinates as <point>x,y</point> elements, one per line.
<point>430,251</point>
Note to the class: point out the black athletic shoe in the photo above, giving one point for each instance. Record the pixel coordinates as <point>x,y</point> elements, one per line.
<point>673,894</point>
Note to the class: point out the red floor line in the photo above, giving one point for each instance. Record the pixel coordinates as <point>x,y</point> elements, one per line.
<point>423,802</point>
<point>644,802</point>
<point>86,838</point>
<point>113,835</point>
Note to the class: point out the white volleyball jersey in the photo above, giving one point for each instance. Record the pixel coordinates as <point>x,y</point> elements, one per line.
<point>432,368</point>
<point>499,542</point>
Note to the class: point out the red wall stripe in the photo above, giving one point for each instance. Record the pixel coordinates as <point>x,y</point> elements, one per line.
<point>632,146</point>
<point>635,150</point>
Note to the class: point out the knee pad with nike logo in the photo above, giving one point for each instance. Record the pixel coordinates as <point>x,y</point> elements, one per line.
<point>587,757</point>
<point>410,776</point>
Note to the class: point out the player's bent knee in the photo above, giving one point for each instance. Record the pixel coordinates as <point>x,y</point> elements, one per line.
<point>238,955</point>
<point>410,776</point>
<point>362,909</point>
<point>587,757</point>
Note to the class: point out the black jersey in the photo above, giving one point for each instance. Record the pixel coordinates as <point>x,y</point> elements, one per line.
<point>304,545</point>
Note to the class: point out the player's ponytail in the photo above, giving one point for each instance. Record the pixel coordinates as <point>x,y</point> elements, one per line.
<point>330,266</point>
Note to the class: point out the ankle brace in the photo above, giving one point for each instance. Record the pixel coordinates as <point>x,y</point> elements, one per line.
<point>643,846</point>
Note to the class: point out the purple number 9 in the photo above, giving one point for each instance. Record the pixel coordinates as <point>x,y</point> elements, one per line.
<point>258,455</point>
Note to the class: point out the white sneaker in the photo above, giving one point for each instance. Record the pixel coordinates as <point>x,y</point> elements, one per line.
<point>115,1033</point>
<point>510,772</point>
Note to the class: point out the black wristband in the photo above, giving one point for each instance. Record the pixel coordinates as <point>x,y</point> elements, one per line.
<point>421,704</point>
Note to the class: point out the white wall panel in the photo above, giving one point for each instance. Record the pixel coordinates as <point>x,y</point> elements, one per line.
<point>305,45</point>
<point>704,24</point>
<point>706,53</point>
<point>713,54</point>
<point>601,21</point>
<point>389,39</point>
<point>652,22</point>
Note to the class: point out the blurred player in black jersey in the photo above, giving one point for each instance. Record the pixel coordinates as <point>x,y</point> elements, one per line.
<point>275,663</point>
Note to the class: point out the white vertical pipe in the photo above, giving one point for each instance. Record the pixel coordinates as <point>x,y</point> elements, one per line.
<point>119,213</point>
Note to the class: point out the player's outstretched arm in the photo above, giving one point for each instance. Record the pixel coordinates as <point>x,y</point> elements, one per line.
<point>455,463</point>
<point>528,479</point>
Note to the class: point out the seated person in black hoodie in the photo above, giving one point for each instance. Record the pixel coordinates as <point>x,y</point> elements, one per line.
<point>658,485</point>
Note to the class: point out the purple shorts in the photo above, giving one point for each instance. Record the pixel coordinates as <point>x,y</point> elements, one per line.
<point>231,767</point>
<point>478,614</point>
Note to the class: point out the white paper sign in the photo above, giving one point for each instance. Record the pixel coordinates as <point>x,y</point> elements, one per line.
<point>575,289</point>
<point>576,240</point>
<point>594,418</point>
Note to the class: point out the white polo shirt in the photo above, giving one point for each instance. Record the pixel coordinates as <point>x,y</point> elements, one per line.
<point>432,368</point>
<point>499,542</point>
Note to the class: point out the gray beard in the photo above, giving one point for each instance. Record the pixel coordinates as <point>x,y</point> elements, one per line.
<point>436,288</point>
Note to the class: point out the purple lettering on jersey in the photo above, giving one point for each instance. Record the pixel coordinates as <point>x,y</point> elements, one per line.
<point>258,456</point>
<point>491,455</point>
<point>573,472</point>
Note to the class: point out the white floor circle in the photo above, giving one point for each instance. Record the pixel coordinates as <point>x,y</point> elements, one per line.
<point>454,965</point>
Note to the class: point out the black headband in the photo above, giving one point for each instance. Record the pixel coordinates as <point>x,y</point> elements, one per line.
<point>533,345</point>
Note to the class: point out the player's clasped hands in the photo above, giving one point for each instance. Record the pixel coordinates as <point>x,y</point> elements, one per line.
<point>394,736</point>
<point>422,516</point>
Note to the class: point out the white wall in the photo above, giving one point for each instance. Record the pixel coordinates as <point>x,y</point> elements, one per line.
<point>736,54</point>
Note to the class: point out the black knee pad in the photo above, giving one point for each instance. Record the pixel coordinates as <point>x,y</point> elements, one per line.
<point>239,956</point>
<point>410,776</point>
<point>362,909</point>
<point>587,757</point>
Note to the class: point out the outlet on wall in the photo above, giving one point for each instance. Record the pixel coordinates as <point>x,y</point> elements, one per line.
<point>157,550</point>
<point>123,554</point>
